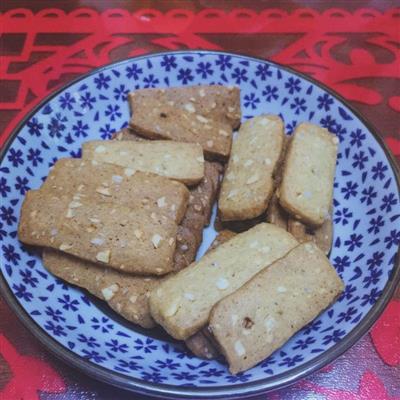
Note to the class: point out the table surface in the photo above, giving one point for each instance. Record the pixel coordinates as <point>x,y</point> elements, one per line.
<point>351,46</point>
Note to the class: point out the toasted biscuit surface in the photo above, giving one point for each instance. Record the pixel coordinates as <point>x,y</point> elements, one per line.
<point>182,303</point>
<point>248,182</point>
<point>197,114</point>
<point>183,162</point>
<point>307,185</point>
<point>249,326</point>
<point>198,212</point>
<point>126,294</point>
<point>116,236</point>
<point>109,183</point>
<point>200,344</point>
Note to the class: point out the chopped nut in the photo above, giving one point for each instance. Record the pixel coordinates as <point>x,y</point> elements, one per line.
<point>104,191</point>
<point>281,289</point>
<point>189,107</point>
<point>231,109</point>
<point>335,140</point>
<point>133,299</point>
<point>109,292</point>
<point>267,161</point>
<point>254,244</point>
<point>161,202</point>
<point>53,232</point>
<point>103,256</point>
<point>80,188</point>
<point>201,119</point>
<point>65,246</point>
<point>129,171</point>
<point>117,179</point>
<point>252,179</point>
<point>232,193</point>
<point>156,239</point>
<point>74,204</point>
<point>100,149</point>
<point>269,323</point>
<point>172,308</point>
<point>222,283</point>
<point>97,241</point>
<point>239,348</point>
<point>138,233</point>
<point>189,296</point>
<point>210,143</point>
<point>223,133</point>
<point>171,241</point>
<point>94,220</point>
<point>70,213</point>
<point>202,93</point>
<point>309,247</point>
<point>265,249</point>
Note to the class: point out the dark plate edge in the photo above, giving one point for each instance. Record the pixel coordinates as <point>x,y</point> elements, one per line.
<point>231,391</point>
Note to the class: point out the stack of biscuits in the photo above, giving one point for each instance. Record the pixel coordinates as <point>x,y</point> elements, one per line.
<point>126,220</point>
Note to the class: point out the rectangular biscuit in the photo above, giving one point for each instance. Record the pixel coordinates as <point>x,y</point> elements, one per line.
<point>183,162</point>
<point>197,114</point>
<point>117,236</point>
<point>263,314</point>
<point>109,183</point>
<point>248,182</point>
<point>198,213</point>
<point>181,304</point>
<point>307,185</point>
<point>200,344</point>
<point>126,294</point>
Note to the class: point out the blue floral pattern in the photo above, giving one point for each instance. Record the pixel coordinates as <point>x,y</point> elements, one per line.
<point>366,213</point>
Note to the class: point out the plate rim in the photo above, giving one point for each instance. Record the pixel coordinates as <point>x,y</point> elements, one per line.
<point>228,391</point>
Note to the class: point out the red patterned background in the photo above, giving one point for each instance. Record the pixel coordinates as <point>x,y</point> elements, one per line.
<point>349,47</point>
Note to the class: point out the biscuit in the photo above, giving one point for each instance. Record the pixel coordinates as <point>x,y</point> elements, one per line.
<point>183,162</point>
<point>250,325</point>
<point>116,236</point>
<point>248,182</point>
<point>126,294</point>
<point>199,209</point>
<point>182,303</point>
<point>200,344</point>
<point>197,114</point>
<point>109,183</point>
<point>307,185</point>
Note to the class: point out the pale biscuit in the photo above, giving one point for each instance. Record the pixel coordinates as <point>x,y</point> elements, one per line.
<point>183,162</point>
<point>307,186</point>
<point>126,294</point>
<point>182,303</point>
<point>109,183</point>
<point>250,325</point>
<point>200,344</point>
<point>115,236</point>
<point>248,181</point>
<point>198,114</point>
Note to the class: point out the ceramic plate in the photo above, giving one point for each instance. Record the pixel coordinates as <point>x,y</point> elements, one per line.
<point>87,334</point>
